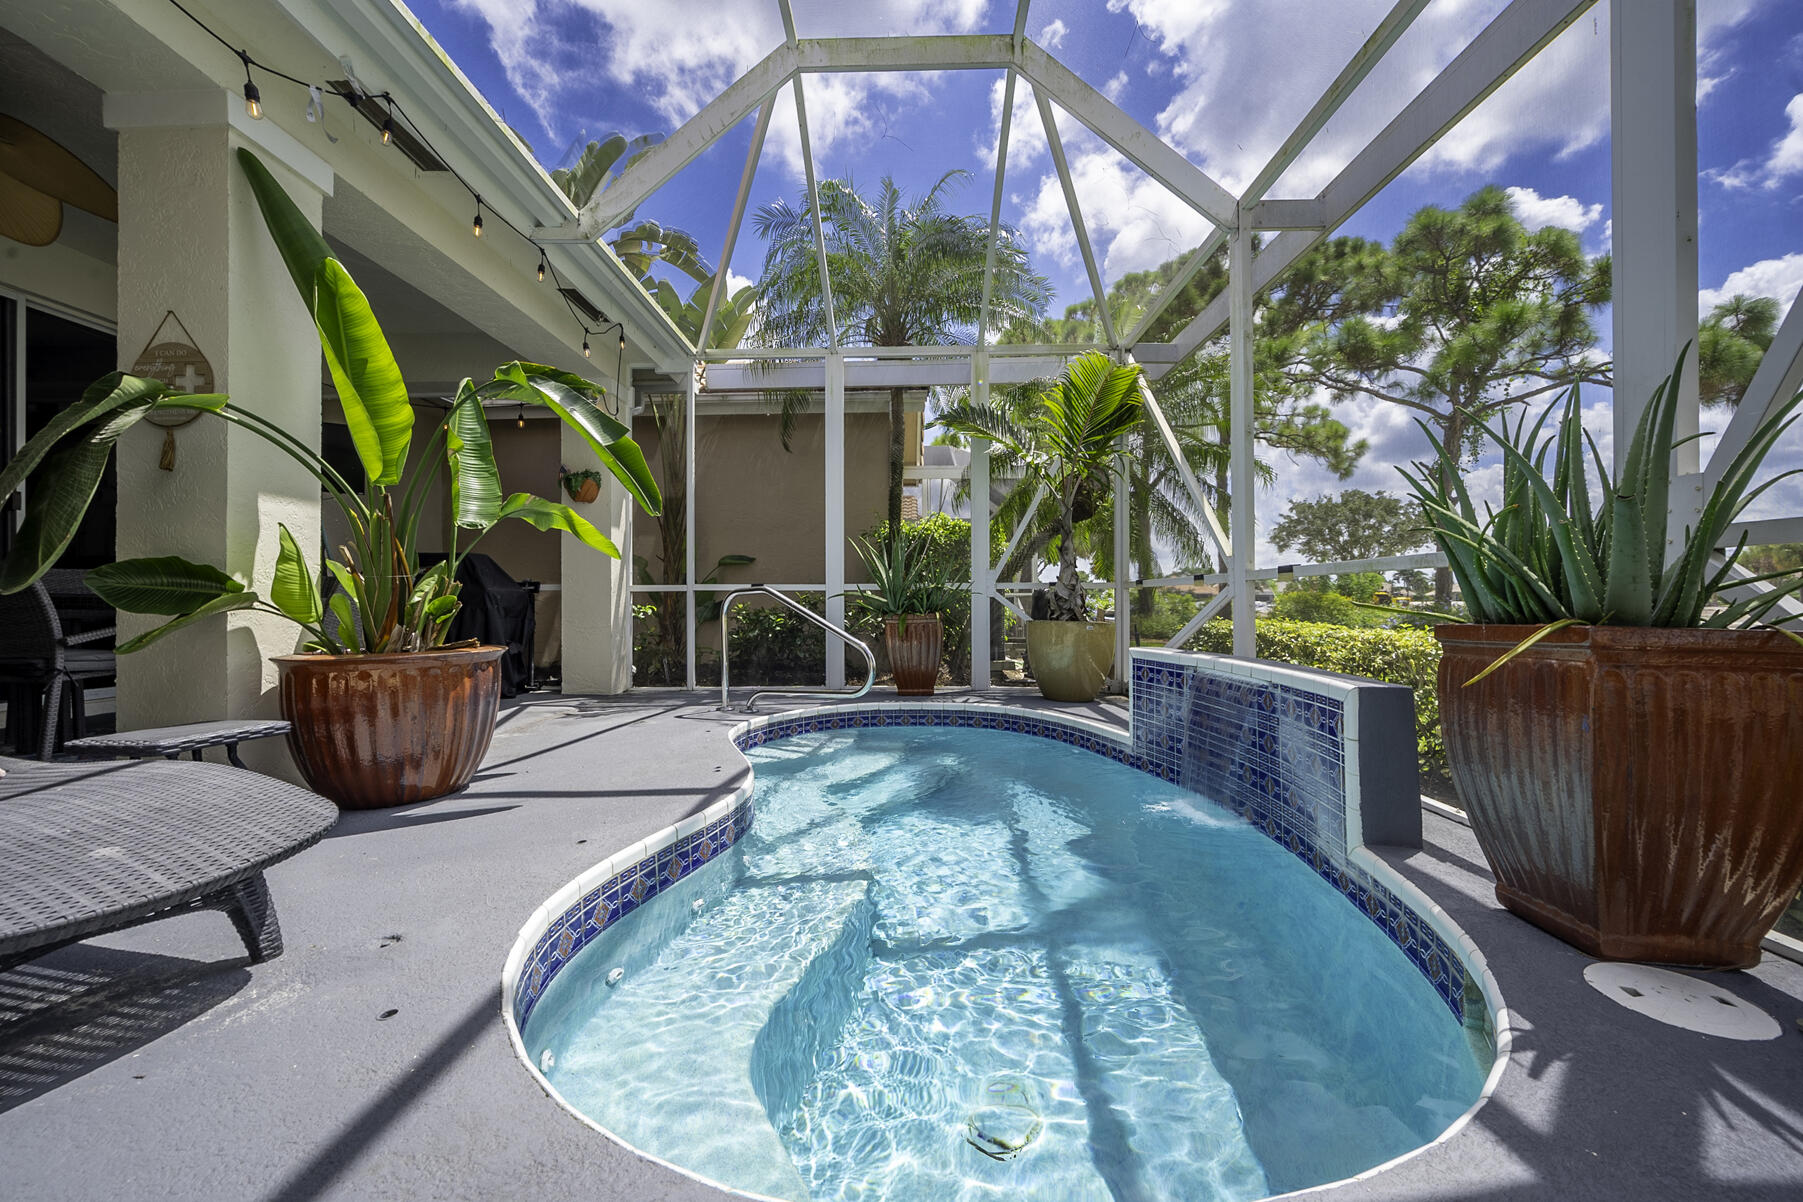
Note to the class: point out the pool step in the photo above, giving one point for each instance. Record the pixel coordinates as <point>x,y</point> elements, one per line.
<point>667,1062</point>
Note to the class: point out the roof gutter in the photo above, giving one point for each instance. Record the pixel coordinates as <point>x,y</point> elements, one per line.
<point>392,50</point>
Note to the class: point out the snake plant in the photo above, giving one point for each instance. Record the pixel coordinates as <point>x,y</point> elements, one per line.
<point>1548,557</point>
<point>383,603</point>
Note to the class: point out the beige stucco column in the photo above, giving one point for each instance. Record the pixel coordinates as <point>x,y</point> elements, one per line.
<point>191,240</point>
<point>597,589</point>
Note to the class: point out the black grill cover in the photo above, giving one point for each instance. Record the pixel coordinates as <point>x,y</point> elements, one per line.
<point>498,610</point>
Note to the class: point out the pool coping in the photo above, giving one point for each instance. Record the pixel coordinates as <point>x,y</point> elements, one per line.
<point>735,810</point>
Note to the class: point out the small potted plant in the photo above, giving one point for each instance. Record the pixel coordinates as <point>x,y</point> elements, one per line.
<point>1627,739</point>
<point>384,710</point>
<point>908,594</point>
<point>1064,436</point>
<point>583,486</point>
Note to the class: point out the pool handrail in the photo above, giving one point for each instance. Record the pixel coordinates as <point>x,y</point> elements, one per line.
<point>811,616</point>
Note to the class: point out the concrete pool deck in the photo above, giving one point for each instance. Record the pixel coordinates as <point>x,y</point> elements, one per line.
<point>370,1060</point>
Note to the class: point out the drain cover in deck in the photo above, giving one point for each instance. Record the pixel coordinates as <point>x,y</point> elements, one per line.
<point>1680,1001</point>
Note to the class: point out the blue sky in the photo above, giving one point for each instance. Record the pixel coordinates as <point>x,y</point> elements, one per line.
<point>1223,89</point>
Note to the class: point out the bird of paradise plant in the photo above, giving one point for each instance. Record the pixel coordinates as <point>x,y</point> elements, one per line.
<point>383,603</point>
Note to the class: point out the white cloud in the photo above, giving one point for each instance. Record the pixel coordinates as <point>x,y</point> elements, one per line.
<point>1783,160</point>
<point>1230,114</point>
<point>1568,212</point>
<point>677,55</point>
<point>1713,19</point>
<point>1026,141</point>
<point>735,281</point>
<point>1133,222</point>
<point>1781,278</point>
<point>1052,36</point>
<point>1114,87</point>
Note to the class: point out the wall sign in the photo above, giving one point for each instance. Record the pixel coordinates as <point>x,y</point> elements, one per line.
<point>172,357</point>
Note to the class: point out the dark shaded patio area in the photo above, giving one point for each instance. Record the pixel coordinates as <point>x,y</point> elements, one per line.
<point>370,1060</point>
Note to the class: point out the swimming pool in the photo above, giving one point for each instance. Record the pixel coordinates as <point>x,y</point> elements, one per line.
<point>974,963</point>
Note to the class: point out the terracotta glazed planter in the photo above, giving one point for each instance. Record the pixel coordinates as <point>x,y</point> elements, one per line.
<point>383,730</point>
<point>914,647</point>
<point>583,492</point>
<point>1070,660</point>
<point>1636,791</point>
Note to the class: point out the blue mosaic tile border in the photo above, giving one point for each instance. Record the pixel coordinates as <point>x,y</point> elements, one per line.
<point>615,898</point>
<point>1273,753</point>
<point>1280,755</point>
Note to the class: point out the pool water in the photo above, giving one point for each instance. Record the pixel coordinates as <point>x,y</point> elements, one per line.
<point>967,964</point>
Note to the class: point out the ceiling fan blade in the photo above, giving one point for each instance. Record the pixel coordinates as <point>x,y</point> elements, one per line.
<point>28,215</point>
<point>34,159</point>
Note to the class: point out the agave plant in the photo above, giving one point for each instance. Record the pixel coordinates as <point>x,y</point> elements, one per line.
<point>903,581</point>
<point>383,604</point>
<point>1062,442</point>
<point>1548,557</point>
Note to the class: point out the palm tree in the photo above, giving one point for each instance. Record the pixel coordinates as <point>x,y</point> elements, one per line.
<point>1064,440</point>
<point>901,274</point>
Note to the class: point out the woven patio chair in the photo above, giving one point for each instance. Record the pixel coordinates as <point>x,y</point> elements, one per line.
<point>40,661</point>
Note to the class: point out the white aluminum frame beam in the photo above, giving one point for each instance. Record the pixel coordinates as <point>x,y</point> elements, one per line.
<point>1215,605</point>
<point>721,270</point>
<point>660,164</point>
<point>1395,23</point>
<point>1197,260</point>
<point>1239,375</point>
<point>688,523</point>
<point>1653,207</point>
<point>1123,604</point>
<point>1779,377</point>
<point>995,203</point>
<point>807,162</point>
<point>982,582</point>
<point>1141,147</point>
<point>1193,486</point>
<point>751,377</point>
<point>1056,145</point>
<point>834,452</point>
<point>925,52</point>
<point>1516,34</point>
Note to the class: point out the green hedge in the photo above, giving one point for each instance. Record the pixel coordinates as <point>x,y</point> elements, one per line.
<point>1407,656</point>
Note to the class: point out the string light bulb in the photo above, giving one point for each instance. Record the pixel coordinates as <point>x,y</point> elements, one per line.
<point>541,266</point>
<point>520,419</point>
<point>586,353</point>
<point>476,225</point>
<point>622,341</point>
<point>387,130</point>
<point>253,98</point>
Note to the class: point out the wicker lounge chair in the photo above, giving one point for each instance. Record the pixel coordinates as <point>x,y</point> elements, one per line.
<point>88,848</point>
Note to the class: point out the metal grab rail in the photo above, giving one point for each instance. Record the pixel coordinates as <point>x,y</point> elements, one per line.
<point>751,701</point>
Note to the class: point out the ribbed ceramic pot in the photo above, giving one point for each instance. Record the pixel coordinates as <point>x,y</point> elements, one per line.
<point>1636,791</point>
<point>914,645</point>
<point>384,730</point>
<point>1070,660</point>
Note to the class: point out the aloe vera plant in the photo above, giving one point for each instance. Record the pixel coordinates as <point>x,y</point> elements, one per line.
<point>383,604</point>
<point>903,582</point>
<point>1548,557</point>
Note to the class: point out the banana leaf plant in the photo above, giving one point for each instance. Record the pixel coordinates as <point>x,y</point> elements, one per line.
<point>1551,559</point>
<point>382,602</point>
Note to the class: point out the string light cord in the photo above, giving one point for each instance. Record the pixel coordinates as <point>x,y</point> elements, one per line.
<point>253,102</point>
